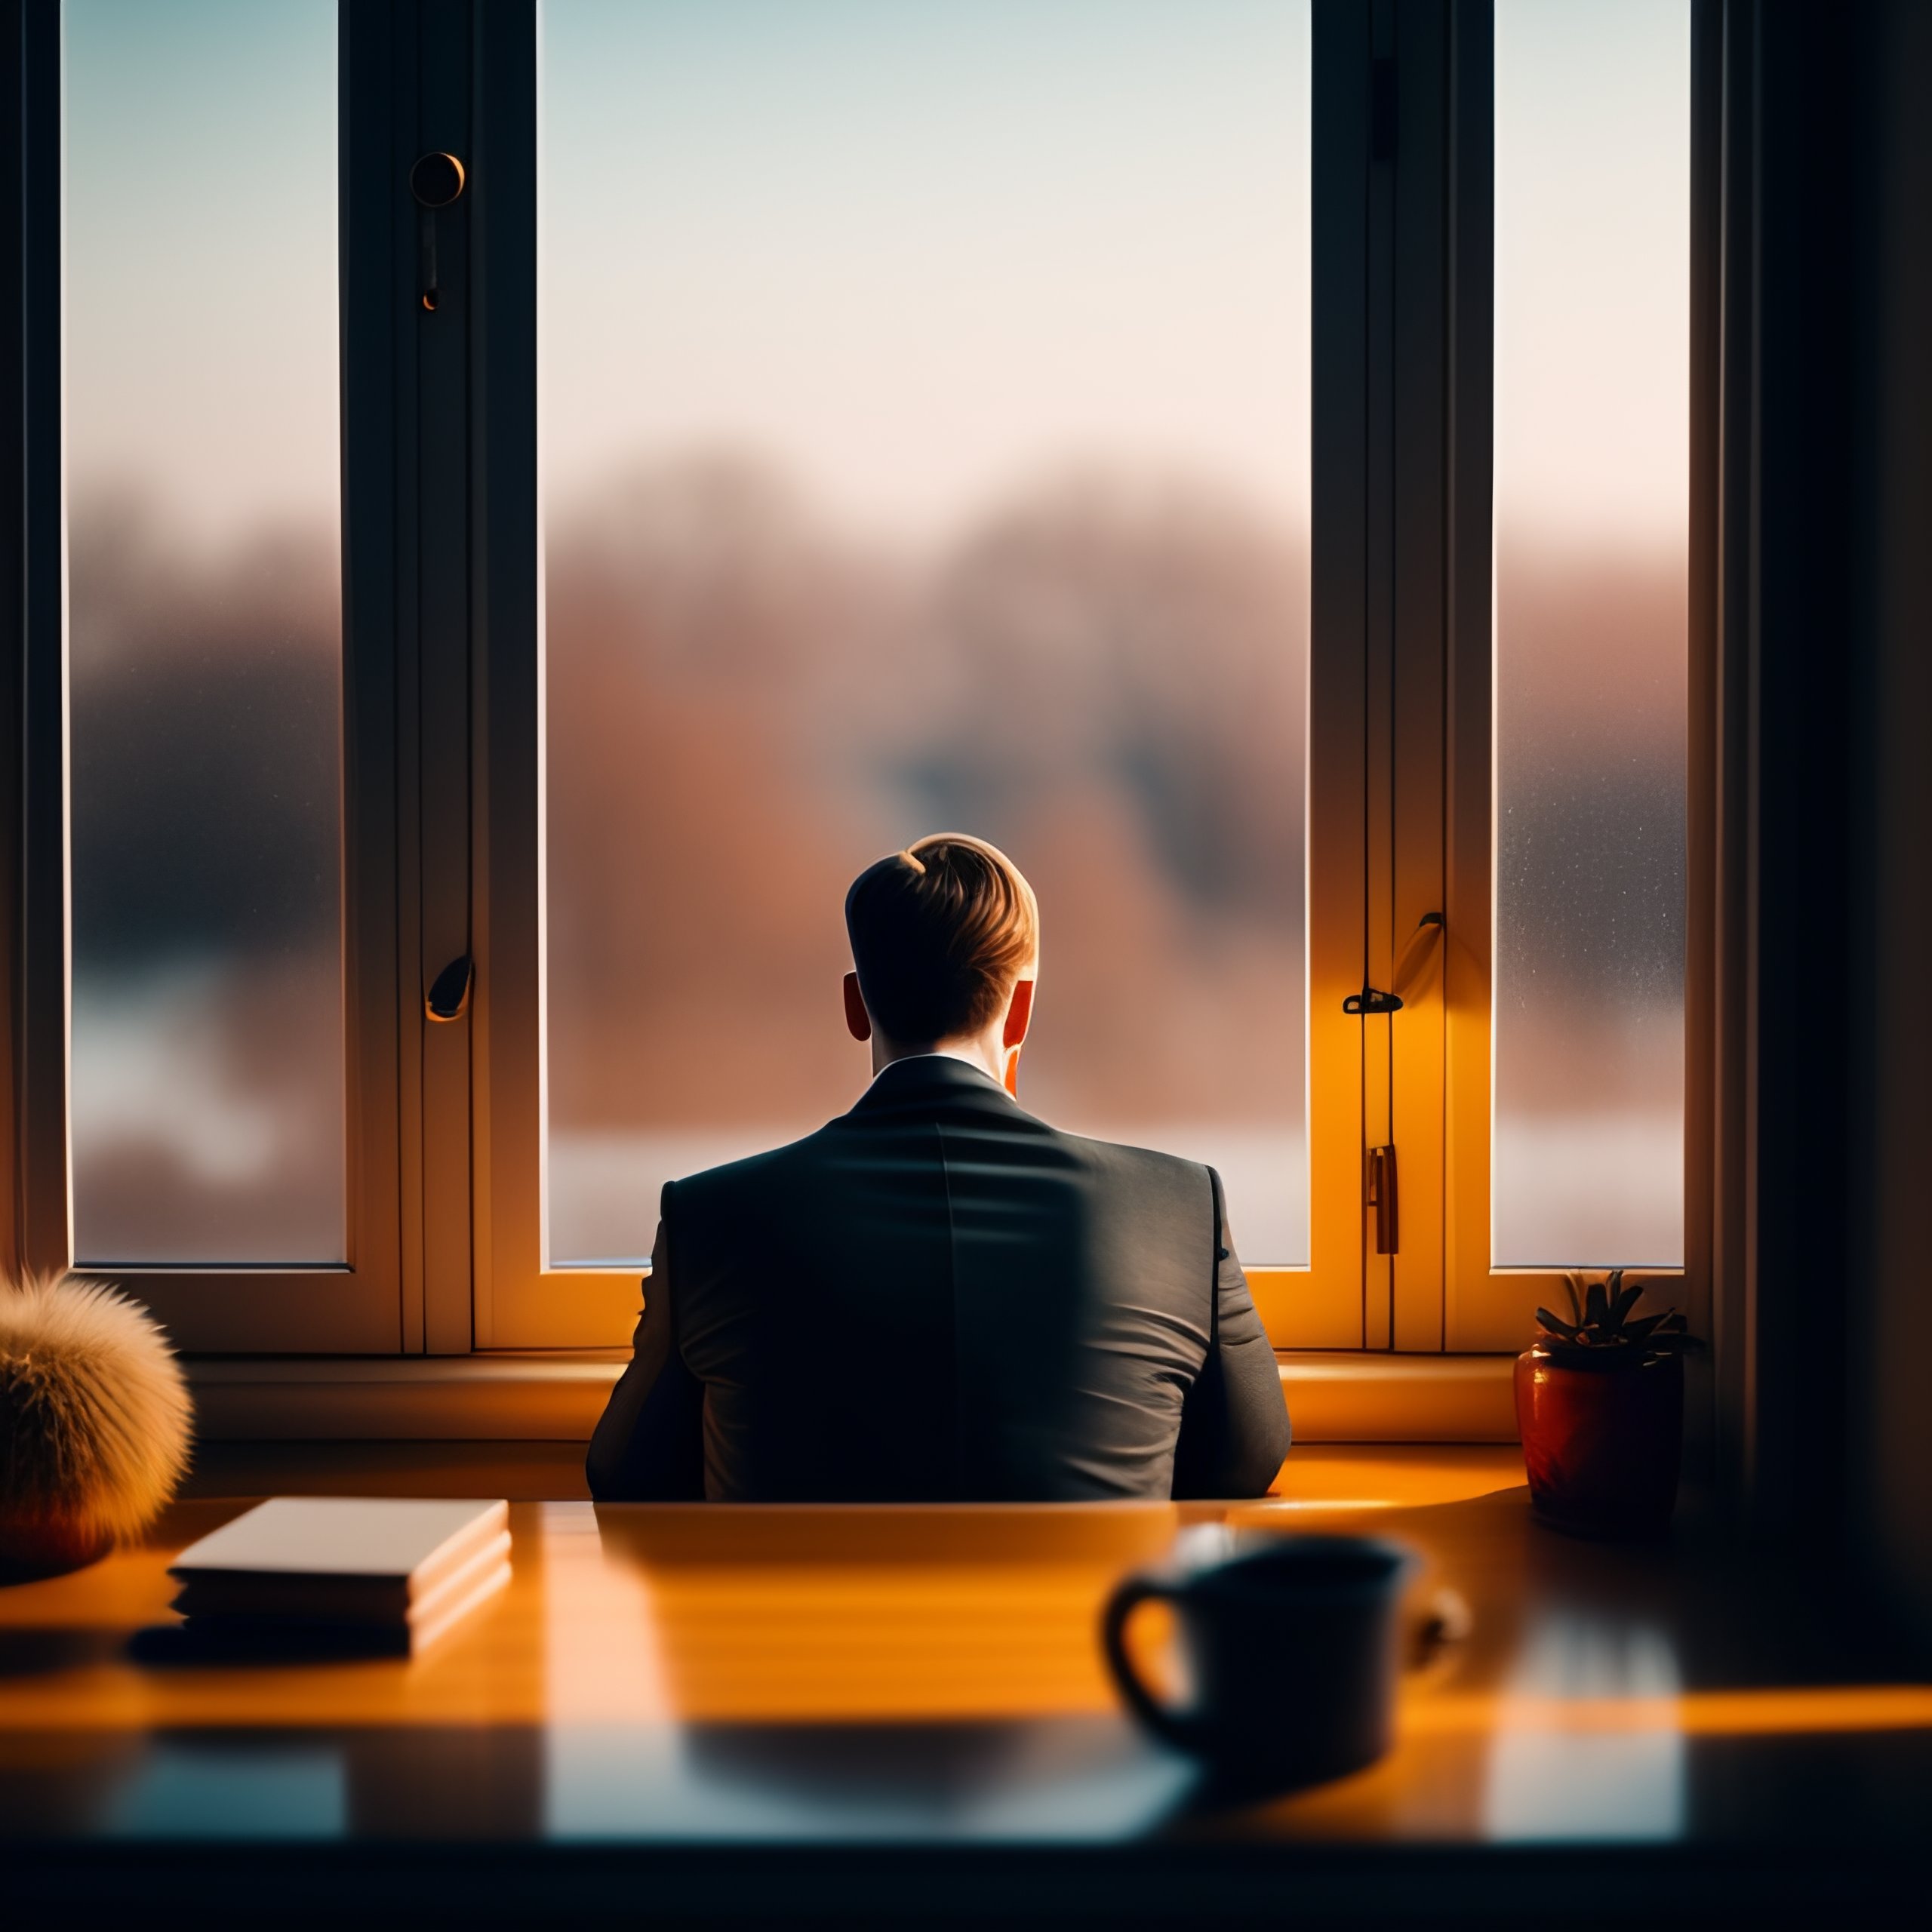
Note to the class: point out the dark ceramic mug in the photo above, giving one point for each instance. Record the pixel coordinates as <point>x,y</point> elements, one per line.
<point>1295,1649</point>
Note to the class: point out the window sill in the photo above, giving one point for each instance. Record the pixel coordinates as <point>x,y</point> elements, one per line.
<point>558,1398</point>
<point>1365,1397</point>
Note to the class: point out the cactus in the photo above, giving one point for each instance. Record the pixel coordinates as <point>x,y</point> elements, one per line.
<point>1602,1334</point>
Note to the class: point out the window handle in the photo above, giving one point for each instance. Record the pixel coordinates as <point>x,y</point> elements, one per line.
<point>1371,1000</point>
<point>436,180</point>
<point>1420,949</point>
<point>449,999</point>
<point>1383,1198</point>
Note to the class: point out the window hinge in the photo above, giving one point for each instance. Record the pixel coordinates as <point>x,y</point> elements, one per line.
<point>1383,1198</point>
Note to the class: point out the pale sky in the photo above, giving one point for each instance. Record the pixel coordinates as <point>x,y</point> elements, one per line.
<point>200,256</point>
<point>1593,270</point>
<point>918,250</point>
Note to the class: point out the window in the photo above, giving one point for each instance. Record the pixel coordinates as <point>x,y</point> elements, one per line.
<point>205,635</point>
<point>1592,602</point>
<point>1504,370</point>
<point>1232,455</point>
<point>205,1003</point>
<point>933,452</point>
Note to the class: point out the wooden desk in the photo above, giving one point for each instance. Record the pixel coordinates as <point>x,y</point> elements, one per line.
<point>867,1709</point>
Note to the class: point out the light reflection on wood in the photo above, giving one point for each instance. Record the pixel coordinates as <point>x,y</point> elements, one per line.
<point>824,1616</point>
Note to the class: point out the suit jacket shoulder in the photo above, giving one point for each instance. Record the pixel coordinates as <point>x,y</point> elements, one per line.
<point>939,1294</point>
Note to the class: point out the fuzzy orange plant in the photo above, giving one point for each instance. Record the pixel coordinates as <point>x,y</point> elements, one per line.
<point>95,1422</point>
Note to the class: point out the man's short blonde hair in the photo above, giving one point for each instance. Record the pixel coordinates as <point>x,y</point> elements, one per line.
<point>940,932</point>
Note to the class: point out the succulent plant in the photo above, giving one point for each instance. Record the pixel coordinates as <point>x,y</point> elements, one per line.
<point>1602,1334</point>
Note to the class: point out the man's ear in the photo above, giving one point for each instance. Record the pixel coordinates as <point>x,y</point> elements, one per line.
<point>858,1021</point>
<point>1019,1013</point>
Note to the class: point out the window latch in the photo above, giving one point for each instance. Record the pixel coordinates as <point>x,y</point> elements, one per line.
<point>1383,1198</point>
<point>448,998</point>
<point>1369,1001</point>
<point>1372,1000</point>
<point>1420,951</point>
<point>436,180</point>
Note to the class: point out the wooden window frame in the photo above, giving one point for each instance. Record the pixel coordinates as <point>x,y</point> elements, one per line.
<point>1401,811</point>
<point>357,1306</point>
<point>444,690</point>
<point>1400,779</point>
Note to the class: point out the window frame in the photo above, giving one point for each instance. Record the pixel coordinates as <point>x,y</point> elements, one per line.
<point>1402,775</point>
<point>357,1306</point>
<point>520,1301</point>
<point>444,752</point>
<point>1400,809</point>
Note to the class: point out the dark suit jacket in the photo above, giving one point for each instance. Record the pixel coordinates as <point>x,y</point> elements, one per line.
<point>936,1297</point>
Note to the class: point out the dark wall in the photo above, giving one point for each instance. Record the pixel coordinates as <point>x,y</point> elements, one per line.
<point>1888,1467</point>
<point>1823,903</point>
<point>1786,660</point>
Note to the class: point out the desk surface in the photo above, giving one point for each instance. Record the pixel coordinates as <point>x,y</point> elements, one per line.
<point>669,1683</point>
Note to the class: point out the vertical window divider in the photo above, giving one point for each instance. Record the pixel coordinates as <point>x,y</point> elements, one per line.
<point>519,1300</point>
<point>1399,757</point>
<point>40,1232</point>
<point>440,351</point>
<point>1323,1308</point>
<point>1468,948</point>
<point>1712,1128</point>
<point>1392,162</point>
<point>1406,1311</point>
<point>417,401</point>
<point>377,69</point>
<point>511,1283</point>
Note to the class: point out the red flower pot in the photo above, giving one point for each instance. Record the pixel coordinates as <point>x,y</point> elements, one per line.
<point>1602,1444</point>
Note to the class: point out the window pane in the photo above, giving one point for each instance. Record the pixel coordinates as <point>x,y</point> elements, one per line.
<point>204,630</point>
<point>1593,333</point>
<point>924,432</point>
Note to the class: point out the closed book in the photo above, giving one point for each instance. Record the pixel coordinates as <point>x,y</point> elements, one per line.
<point>369,1558</point>
<point>453,1606</point>
<point>337,1599</point>
<point>295,1639</point>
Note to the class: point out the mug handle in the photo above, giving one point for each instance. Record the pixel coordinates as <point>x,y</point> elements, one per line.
<point>1162,1719</point>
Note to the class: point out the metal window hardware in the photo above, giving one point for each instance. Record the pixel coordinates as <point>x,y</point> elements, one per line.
<point>1369,1001</point>
<point>449,999</point>
<point>1419,952</point>
<point>1384,1199</point>
<point>436,180</point>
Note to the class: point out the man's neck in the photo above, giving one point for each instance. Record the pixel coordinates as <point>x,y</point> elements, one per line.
<point>980,1052</point>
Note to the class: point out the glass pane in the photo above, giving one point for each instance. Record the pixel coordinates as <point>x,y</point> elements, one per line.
<point>205,631</point>
<point>924,432</point>
<point>1592,457</point>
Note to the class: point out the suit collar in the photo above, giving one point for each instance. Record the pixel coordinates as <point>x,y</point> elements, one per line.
<point>932,1079</point>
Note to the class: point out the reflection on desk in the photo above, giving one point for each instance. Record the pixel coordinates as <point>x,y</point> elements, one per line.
<point>668,1679</point>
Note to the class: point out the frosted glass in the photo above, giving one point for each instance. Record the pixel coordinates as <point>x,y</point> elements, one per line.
<point>924,433</point>
<point>1593,328</point>
<point>205,631</point>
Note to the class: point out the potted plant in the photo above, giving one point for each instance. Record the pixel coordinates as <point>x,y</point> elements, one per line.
<point>94,1423</point>
<point>1600,1407</point>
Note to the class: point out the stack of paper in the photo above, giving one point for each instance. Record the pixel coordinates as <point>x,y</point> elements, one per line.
<point>382,1574</point>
